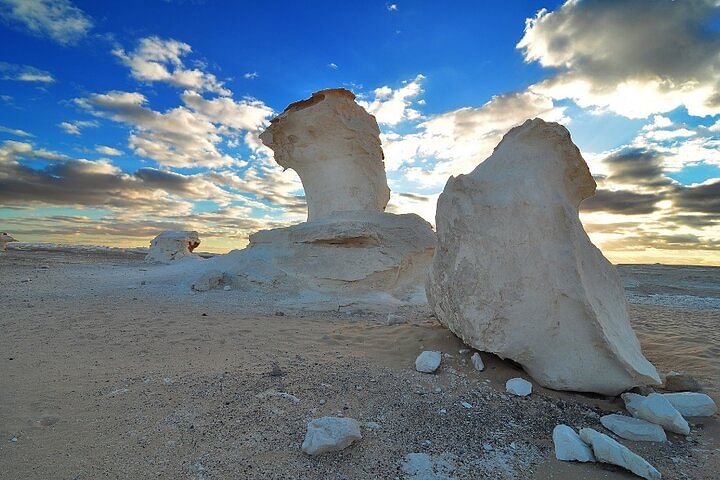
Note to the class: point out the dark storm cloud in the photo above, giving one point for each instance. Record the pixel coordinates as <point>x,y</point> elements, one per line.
<point>623,202</point>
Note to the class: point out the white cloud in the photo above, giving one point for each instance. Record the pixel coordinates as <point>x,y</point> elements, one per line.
<point>160,60</point>
<point>105,150</point>
<point>74,128</point>
<point>15,131</point>
<point>251,75</point>
<point>59,20</point>
<point>634,57</point>
<point>392,7</point>
<point>658,122</point>
<point>24,73</point>
<point>391,107</point>
<point>333,66</point>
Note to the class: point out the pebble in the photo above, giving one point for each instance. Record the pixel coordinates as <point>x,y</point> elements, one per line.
<point>631,428</point>
<point>466,405</point>
<point>227,288</point>
<point>607,450</point>
<point>428,361</point>
<point>519,387</point>
<point>692,404</point>
<point>569,446</point>
<point>477,362</point>
<point>329,434</point>
<point>657,409</point>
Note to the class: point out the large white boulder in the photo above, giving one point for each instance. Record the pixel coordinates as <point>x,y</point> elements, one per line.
<point>515,273</point>
<point>334,146</point>
<point>569,446</point>
<point>631,428</point>
<point>5,238</point>
<point>608,450</point>
<point>329,434</point>
<point>692,404</point>
<point>172,245</point>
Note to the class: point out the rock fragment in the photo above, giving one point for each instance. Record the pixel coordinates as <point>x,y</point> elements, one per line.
<point>519,387</point>
<point>5,238</point>
<point>692,404</point>
<point>428,361</point>
<point>631,428</point>
<point>515,273</point>
<point>608,450</point>
<point>569,446</point>
<point>655,408</point>
<point>632,402</point>
<point>329,434</point>
<point>477,362</point>
<point>681,382</point>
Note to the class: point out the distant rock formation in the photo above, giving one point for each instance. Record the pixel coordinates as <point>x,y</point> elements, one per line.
<point>349,247</point>
<point>334,146</point>
<point>5,238</point>
<point>172,245</point>
<point>515,273</point>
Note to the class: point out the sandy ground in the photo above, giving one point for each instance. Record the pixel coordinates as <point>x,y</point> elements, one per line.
<point>99,380</point>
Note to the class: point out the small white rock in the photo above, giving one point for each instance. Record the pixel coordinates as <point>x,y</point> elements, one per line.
<point>329,434</point>
<point>569,446</point>
<point>632,402</point>
<point>608,450</point>
<point>692,404</point>
<point>519,387</point>
<point>227,288</point>
<point>428,361</point>
<point>466,405</point>
<point>657,409</point>
<point>631,428</point>
<point>477,362</point>
<point>394,319</point>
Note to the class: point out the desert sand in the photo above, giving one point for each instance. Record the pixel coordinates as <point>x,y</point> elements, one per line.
<point>104,374</point>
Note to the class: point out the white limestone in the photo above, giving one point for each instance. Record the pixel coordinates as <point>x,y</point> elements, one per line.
<point>428,361</point>
<point>519,387</point>
<point>608,450</point>
<point>632,402</point>
<point>692,404</point>
<point>477,362</point>
<point>569,446</point>
<point>172,245</point>
<point>5,238</point>
<point>515,273</point>
<point>334,146</point>
<point>657,409</point>
<point>631,428</point>
<point>329,434</point>
<point>208,281</point>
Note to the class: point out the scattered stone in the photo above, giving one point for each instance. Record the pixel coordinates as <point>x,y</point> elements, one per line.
<point>657,409</point>
<point>519,387</point>
<point>692,404</point>
<point>428,361</point>
<point>274,393</point>
<point>487,447</point>
<point>631,428</point>
<point>393,319</point>
<point>227,288</point>
<point>329,434</point>
<point>632,402</point>
<point>13,440</point>
<point>463,351</point>
<point>373,425</point>
<point>681,382</point>
<point>608,450</point>
<point>569,446</point>
<point>477,362</point>
<point>208,281</point>
<point>5,238</point>
<point>279,314</point>
<point>171,245</point>
<point>466,405</point>
<point>515,273</point>
<point>276,371</point>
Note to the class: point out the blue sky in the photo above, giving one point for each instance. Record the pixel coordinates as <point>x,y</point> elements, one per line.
<point>121,119</point>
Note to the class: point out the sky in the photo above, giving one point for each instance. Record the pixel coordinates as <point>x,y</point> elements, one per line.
<point>119,120</point>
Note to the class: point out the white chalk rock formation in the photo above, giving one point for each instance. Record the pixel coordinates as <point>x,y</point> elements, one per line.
<point>329,434</point>
<point>692,404</point>
<point>515,273</point>
<point>655,408</point>
<point>608,450</point>
<point>334,146</point>
<point>350,251</point>
<point>428,361</point>
<point>631,428</point>
<point>172,245</point>
<point>569,447</point>
<point>519,387</point>
<point>5,238</point>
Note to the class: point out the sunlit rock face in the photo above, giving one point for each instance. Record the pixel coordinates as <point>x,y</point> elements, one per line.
<point>334,146</point>
<point>172,245</point>
<point>5,238</point>
<point>515,273</point>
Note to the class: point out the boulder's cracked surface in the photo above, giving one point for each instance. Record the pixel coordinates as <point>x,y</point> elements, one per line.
<point>515,273</point>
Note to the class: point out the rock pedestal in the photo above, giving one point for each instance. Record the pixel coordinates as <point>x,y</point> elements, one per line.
<point>515,273</point>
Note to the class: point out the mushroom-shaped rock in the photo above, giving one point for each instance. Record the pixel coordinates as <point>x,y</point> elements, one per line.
<point>334,146</point>
<point>515,273</point>
<point>328,434</point>
<point>172,245</point>
<point>5,238</point>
